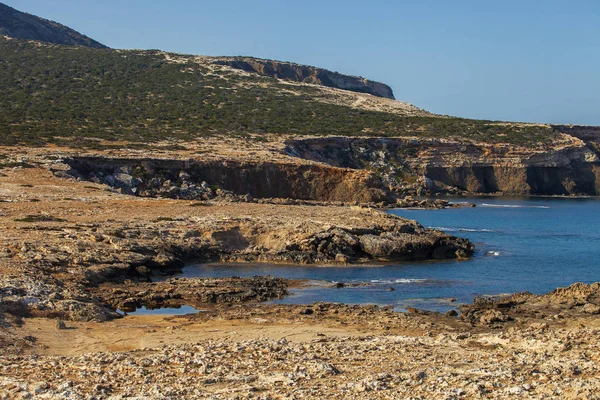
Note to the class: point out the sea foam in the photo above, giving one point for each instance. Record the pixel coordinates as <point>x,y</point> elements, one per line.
<point>510,206</point>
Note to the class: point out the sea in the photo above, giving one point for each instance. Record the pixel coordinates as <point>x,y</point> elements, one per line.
<point>529,244</point>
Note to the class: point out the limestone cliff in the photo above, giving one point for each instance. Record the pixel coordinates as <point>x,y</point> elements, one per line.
<point>308,74</point>
<point>590,135</point>
<point>194,179</point>
<point>569,168</point>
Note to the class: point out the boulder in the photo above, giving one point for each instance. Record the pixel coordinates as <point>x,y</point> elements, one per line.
<point>590,308</point>
<point>125,181</point>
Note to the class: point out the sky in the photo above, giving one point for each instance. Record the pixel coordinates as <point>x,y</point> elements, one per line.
<point>526,60</point>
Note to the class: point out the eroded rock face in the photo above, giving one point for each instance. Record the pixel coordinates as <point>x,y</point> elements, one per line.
<point>308,74</point>
<point>233,180</point>
<point>421,166</point>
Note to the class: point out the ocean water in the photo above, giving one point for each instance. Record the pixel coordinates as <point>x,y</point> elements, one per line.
<point>535,245</point>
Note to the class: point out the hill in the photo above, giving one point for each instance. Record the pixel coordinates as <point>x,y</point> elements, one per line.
<point>52,92</point>
<point>17,24</point>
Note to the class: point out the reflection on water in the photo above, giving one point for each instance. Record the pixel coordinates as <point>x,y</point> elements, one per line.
<point>166,311</point>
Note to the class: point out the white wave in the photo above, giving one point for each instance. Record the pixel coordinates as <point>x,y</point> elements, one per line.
<point>509,206</point>
<point>401,280</point>
<point>493,253</point>
<point>447,229</point>
<point>444,228</point>
<point>410,280</point>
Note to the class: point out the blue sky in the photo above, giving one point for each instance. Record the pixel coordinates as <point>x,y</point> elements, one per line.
<point>528,60</point>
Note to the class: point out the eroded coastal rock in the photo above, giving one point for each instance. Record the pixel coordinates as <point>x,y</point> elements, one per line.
<point>66,245</point>
<point>422,166</point>
<point>226,180</point>
<point>576,300</point>
<point>95,253</point>
<point>195,292</point>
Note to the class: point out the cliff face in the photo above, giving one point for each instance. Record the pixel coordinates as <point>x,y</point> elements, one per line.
<point>20,25</point>
<point>307,74</point>
<point>438,166</point>
<point>590,135</point>
<point>183,179</point>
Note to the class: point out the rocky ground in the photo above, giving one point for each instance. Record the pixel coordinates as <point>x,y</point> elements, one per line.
<point>321,351</point>
<point>73,251</point>
<point>62,237</point>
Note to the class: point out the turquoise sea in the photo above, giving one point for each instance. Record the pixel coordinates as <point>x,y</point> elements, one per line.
<point>534,244</point>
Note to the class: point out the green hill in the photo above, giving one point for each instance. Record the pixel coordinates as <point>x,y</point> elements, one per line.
<point>57,94</point>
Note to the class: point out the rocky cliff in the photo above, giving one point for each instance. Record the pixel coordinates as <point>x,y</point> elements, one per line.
<point>186,100</point>
<point>308,74</point>
<point>590,135</point>
<point>20,25</point>
<point>204,180</point>
<point>430,165</point>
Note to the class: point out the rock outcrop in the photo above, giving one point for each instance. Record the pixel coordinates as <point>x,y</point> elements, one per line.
<point>195,292</point>
<point>56,250</point>
<point>308,74</point>
<point>590,135</point>
<point>447,166</point>
<point>20,25</point>
<point>235,180</point>
<point>576,300</point>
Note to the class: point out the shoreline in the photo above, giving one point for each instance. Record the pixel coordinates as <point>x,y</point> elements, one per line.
<point>321,350</point>
<point>67,247</point>
<point>518,197</point>
<point>75,251</point>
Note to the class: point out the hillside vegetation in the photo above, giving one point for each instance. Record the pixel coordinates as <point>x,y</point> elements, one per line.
<point>71,95</point>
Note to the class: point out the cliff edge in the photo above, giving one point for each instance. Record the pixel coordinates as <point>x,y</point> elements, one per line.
<point>307,74</point>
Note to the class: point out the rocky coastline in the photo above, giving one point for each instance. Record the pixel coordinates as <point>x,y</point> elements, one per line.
<point>66,247</point>
<point>80,247</point>
<point>177,292</point>
<point>120,167</point>
<point>416,166</point>
<point>246,351</point>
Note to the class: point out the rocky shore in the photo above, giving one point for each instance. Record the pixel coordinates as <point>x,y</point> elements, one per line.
<point>74,249</point>
<point>62,238</point>
<point>320,351</point>
<point>177,292</point>
<point>410,202</point>
<point>120,167</point>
